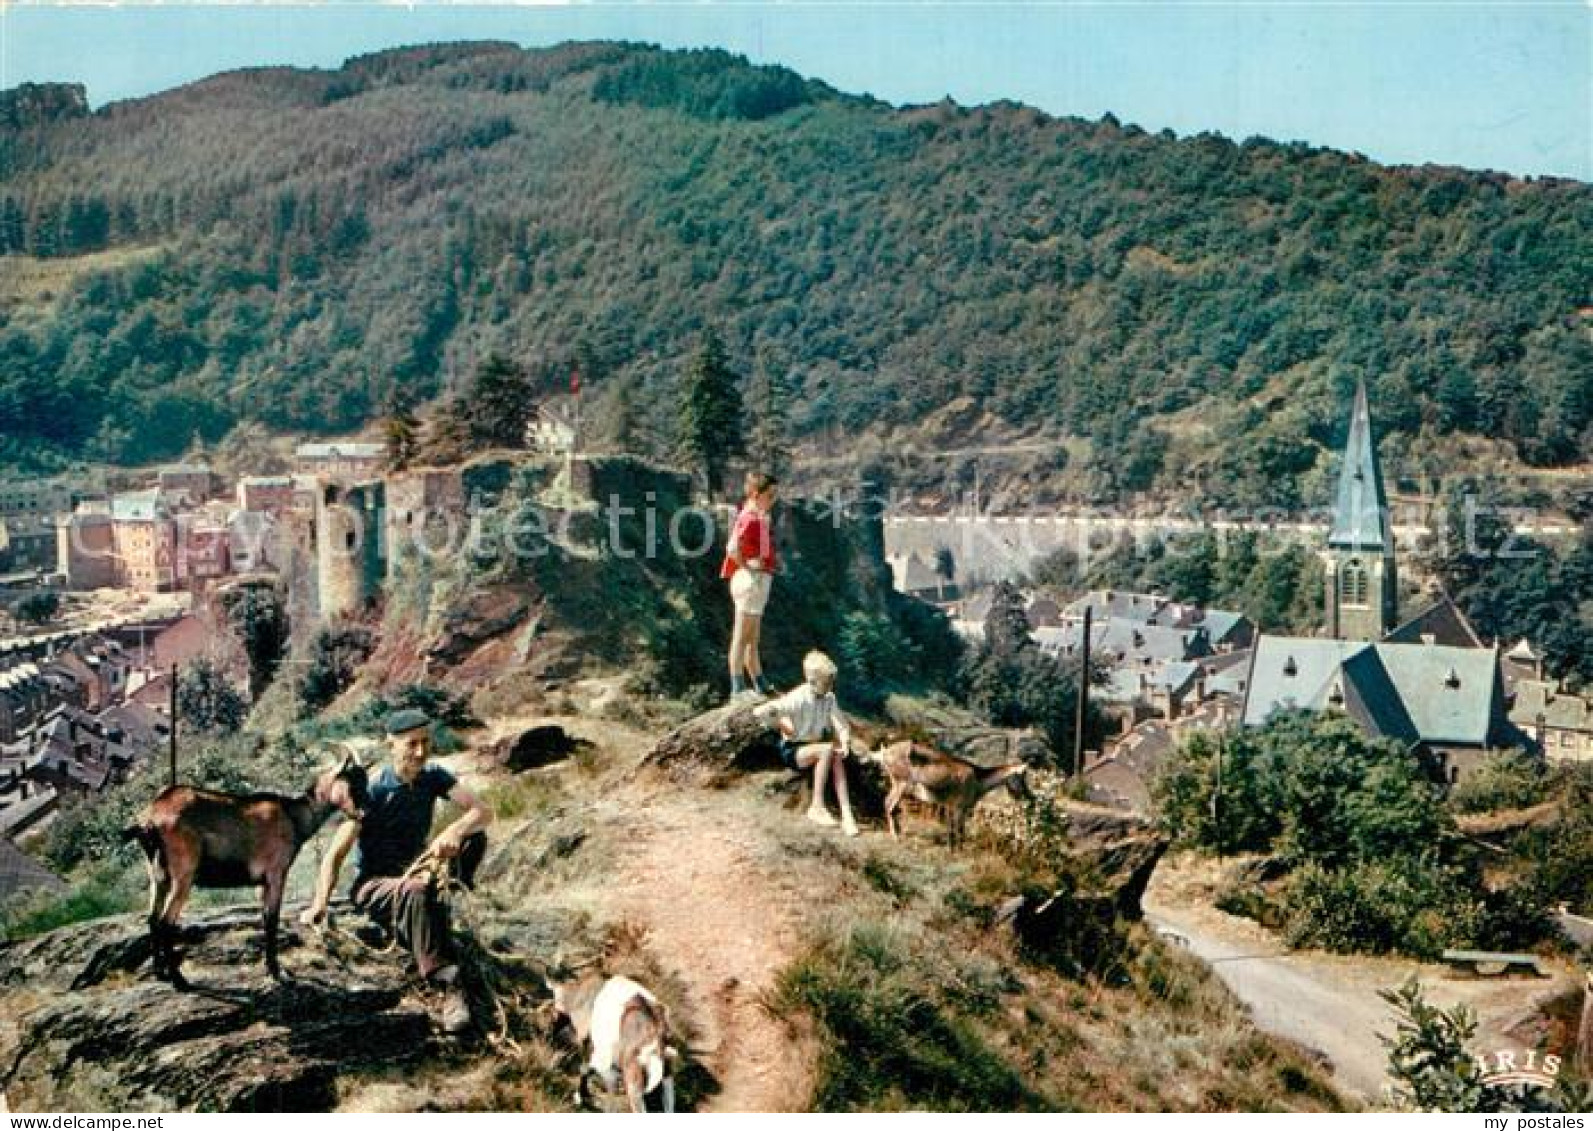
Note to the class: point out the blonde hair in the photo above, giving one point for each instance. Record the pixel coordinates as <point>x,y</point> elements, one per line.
<point>816,665</point>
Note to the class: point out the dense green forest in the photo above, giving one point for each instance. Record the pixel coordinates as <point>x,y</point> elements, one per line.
<point>292,246</point>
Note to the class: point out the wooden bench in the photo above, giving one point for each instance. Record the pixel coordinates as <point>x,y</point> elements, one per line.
<point>1490,963</point>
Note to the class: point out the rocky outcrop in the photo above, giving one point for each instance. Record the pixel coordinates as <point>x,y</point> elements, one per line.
<point>1111,854</point>
<point>482,616</point>
<point>85,1027</point>
<point>713,746</point>
<point>535,747</point>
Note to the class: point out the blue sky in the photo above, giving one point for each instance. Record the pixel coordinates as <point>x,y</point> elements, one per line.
<point>1482,85</point>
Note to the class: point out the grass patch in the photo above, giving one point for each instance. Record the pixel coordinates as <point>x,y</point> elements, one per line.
<point>891,1039</point>
<point>96,892</point>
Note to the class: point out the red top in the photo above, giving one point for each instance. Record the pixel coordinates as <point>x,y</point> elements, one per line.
<point>754,537</point>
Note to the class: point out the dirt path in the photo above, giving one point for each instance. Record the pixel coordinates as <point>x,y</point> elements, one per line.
<point>694,881</point>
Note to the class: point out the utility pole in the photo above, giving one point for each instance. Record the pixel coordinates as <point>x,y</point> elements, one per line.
<point>1216,799</point>
<point>1584,1032</point>
<point>173,751</point>
<point>1084,697</point>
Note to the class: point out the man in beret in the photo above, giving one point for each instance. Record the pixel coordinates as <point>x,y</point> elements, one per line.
<point>391,836</point>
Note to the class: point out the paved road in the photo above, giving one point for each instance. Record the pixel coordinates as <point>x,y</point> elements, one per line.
<point>1330,1003</point>
<point>1294,997</point>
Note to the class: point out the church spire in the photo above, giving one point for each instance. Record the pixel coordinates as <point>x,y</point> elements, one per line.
<point>1360,514</point>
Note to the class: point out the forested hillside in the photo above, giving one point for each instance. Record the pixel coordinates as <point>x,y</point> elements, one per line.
<point>290,246</point>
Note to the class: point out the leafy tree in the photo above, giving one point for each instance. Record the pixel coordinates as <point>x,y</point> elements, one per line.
<point>1012,682</point>
<point>207,701</point>
<point>336,655</point>
<point>258,617</point>
<point>711,412</point>
<point>41,607</point>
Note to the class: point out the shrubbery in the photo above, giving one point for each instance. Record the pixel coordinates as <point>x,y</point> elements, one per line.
<point>1011,682</point>
<point>1376,864</point>
<point>336,655</point>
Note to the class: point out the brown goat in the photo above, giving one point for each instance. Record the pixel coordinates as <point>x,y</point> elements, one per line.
<point>951,784</point>
<point>225,840</point>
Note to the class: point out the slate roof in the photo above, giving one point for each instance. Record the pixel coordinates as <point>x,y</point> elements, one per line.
<point>1429,693</point>
<point>1177,677</point>
<point>1559,709</point>
<point>137,506</point>
<point>1360,510</point>
<point>1453,695</point>
<point>1443,621</point>
<point>1227,673</point>
<point>1221,624</point>
<point>1116,603</point>
<point>1293,673</point>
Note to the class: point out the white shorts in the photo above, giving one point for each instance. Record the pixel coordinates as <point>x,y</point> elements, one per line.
<point>749,589</point>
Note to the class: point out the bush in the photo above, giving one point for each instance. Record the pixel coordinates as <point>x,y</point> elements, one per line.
<point>1368,908</point>
<point>1435,1070</point>
<point>1513,781</point>
<point>336,655</point>
<point>207,701</point>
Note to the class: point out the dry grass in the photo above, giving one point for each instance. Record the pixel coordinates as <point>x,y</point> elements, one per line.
<point>26,281</point>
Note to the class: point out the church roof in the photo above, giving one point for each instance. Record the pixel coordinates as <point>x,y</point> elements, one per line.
<point>1360,512</point>
<point>1429,693</point>
<point>1443,621</point>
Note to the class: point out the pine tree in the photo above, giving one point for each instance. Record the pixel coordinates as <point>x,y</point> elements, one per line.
<point>769,445</point>
<point>496,407</point>
<point>711,426</point>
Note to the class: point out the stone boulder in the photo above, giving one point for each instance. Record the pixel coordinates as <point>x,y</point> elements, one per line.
<point>86,1028</point>
<point>535,747</point>
<point>714,746</point>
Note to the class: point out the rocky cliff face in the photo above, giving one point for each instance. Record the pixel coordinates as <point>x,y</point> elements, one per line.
<point>87,1028</point>
<point>614,563</point>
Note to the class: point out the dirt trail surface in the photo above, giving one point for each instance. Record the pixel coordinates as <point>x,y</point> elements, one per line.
<point>1330,1003</point>
<point>693,879</point>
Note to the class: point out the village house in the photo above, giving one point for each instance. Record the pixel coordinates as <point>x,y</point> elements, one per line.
<point>347,461</point>
<point>912,575</point>
<point>266,494</point>
<point>182,486</point>
<point>24,697</point>
<point>24,802</point>
<point>203,550</point>
<point>1560,722</point>
<point>553,427</point>
<point>130,544</point>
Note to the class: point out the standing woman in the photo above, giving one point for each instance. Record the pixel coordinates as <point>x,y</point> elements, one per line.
<point>749,566</point>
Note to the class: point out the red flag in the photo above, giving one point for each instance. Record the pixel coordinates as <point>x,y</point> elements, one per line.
<point>575,380</point>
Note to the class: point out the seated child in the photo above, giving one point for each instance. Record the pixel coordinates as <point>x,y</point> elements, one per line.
<point>805,716</point>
